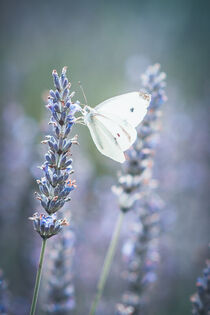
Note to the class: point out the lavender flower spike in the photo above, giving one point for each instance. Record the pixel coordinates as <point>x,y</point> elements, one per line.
<point>56,185</point>
<point>60,293</point>
<point>136,187</point>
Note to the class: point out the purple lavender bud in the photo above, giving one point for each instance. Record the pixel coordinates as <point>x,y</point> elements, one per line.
<point>44,201</point>
<point>65,83</point>
<point>57,94</point>
<point>51,145</point>
<point>65,177</point>
<point>47,226</point>
<point>55,116</point>
<point>56,80</point>
<point>56,148</point>
<point>63,117</point>
<point>53,158</point>
<point>62,162</point>
<point>68,163</point>
<point>68,104</point>
<point>68,129</point>
<point>48,158</point>
<point>54,180</point>
<point>66,192</point>
<point>56,109</point>
<point>67,146</point>
<point>42,226</point>
<point>52,94</point>
<point>47,175</point>
<point>62,179</point>
<point>50,107</point>
<point>57,131</point>
<point>65,93</point>
<point>64,70</point>
<point>58,189</point>
<point>44,189</point>
<point>63,75</point>
<point>54,206</point>
<point>70,119</point>
<point>60,144</point>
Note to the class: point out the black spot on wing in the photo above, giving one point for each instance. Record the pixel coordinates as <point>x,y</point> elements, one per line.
<point>132,109</point>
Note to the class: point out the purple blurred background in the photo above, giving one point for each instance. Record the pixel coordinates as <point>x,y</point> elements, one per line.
<point>107,46</point>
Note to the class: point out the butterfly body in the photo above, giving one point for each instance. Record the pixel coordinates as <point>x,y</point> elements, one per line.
<point>112,123</point>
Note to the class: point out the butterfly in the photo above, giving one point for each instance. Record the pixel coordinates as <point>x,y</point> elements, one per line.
<point>112,123</point>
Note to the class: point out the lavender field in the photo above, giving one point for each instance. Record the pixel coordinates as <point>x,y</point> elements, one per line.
<point>79,232</point>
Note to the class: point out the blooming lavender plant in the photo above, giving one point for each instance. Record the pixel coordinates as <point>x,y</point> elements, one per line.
<point>60,293</point>
<point>201,299</point>
<point>56,185</point>
<point>136,187</point>
<point>135,184</point>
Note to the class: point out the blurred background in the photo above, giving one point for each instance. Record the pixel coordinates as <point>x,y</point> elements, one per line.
<point>106,45</point>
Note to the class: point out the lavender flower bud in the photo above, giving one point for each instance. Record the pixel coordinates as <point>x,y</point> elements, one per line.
<point>56,80</point>
<point>62,118</point>
<point>60,144</point>
<point>57,132</point>
<point>57,94</point>
<point>47,226</point>
<point>55,205</point>
<point>65,83</point>
<point>52,94</point>
<point>65,93</point>
<point>67,146</point>
<point>56,109</point>
<point>67,130</point>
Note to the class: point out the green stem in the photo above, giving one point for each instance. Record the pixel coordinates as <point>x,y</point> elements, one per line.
<point>38,277</point>
<point>107,263</point>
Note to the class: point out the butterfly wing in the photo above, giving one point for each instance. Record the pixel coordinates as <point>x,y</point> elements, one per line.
<point>111,136</point>
<point>131,107</point>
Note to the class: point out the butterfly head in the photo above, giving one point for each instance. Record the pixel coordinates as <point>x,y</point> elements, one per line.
<point>88,113</point>
<point>87,109</point>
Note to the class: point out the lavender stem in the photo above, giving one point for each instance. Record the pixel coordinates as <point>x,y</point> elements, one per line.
<point>38,278</point>
<point>107,262</point>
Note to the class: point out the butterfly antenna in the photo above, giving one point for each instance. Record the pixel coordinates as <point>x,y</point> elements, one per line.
<point>81,87</point>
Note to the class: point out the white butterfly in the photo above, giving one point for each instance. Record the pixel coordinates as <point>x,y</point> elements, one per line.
<point>112,123</point>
